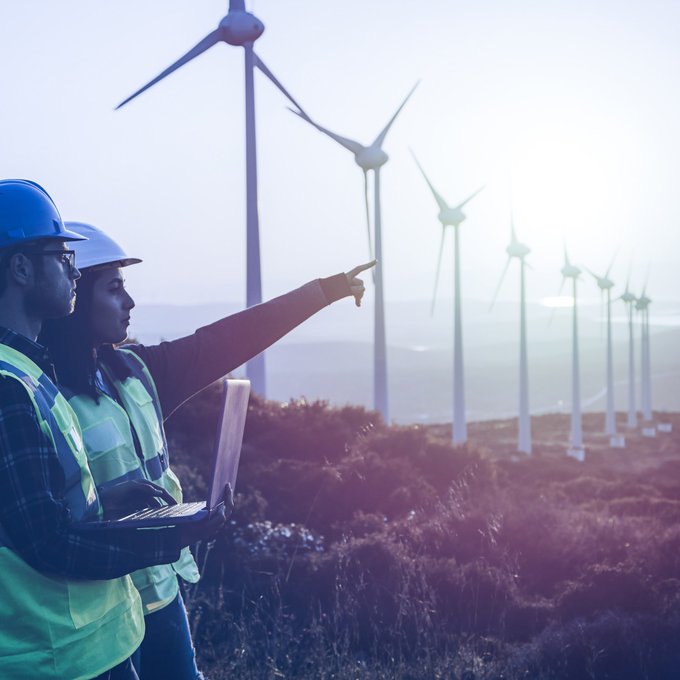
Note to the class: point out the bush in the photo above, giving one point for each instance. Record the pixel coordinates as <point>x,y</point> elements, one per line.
<point>358,550</point>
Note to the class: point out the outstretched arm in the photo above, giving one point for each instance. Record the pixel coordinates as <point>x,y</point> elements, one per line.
<point>183,367</point>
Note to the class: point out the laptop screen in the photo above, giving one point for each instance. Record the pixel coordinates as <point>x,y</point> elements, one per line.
<point>229,437</point>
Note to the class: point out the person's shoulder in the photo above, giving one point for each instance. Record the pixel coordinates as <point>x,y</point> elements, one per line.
<point>14,395</point>
<point>10,383</point>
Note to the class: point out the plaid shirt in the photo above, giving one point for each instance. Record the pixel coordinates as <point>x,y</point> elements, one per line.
<point>34,517</point>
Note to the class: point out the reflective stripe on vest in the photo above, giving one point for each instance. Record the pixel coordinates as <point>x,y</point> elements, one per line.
<point>138,400</point>
<point>107,432</point>
<point>51,627</point>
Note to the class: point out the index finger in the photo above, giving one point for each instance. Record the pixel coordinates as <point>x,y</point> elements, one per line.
<point>361,268</point>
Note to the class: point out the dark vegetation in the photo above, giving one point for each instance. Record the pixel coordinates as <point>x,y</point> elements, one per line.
<point>359,551</point>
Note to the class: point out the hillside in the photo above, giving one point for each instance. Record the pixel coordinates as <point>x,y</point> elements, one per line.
<point>358,550</point>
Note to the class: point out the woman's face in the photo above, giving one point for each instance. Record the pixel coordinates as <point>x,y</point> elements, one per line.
<point>111,305</point>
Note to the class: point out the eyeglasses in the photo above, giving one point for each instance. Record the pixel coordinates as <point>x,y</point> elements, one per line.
<point>66,257</point>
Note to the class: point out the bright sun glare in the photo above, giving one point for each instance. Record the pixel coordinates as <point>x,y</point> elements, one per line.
<point>557,302</point>
<point>568,180</point>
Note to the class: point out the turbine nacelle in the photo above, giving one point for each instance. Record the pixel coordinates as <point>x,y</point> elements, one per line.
<point>518,250</point>
<point>628,297</point>
<point>451,217</point>
<point>240,27</point>
<point>371,157</point>
<point>603,283</point>
<point>642,303</point>
<point>569,271</point>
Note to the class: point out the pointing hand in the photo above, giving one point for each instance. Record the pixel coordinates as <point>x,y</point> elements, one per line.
<point>357,285</point>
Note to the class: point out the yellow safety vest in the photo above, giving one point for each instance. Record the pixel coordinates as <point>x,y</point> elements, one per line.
<point>108,435</point>
<point>50,626</point>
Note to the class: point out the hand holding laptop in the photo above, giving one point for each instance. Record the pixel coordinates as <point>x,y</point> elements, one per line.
<point>211,525</point>
<point>131,495</point>
<point>226,455</point>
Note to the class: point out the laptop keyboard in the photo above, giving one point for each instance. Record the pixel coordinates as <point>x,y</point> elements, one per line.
<point>179,510</point>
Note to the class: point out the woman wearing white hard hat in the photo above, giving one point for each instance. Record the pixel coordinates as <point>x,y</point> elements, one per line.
<point>149,383</point>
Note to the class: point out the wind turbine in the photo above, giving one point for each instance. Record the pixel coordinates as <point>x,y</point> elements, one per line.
<point>642,306</point>
<point>629,300</point>
<point>576,450</point>
<point>520,251</point>
<point>605,284</point>
<point>371,157</point>
<point>242,29</point>
<point>453,217</point>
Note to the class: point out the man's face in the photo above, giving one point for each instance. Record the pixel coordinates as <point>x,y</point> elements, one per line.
<point>53,291</point>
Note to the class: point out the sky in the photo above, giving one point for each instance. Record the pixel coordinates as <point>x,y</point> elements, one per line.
<point>574,104</point>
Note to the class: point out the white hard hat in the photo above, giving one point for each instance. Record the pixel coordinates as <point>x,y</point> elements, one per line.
<point>99,250</point>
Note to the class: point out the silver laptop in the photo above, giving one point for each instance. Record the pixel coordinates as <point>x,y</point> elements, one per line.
<point>227,453</point>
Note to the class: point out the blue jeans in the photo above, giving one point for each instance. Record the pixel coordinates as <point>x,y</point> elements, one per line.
<point>166,652</point>
<point>123,671</point>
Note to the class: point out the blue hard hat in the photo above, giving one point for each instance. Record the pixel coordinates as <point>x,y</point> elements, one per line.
<point>27,213</point>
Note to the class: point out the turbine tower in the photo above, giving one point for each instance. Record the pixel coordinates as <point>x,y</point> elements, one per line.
<point>642,306</point>
<point>453,217</point>
<point>241,29</point>
<point>371,157</point>
<point>520,251</point>
<point>576,450</point>
<point>605,284</point>
<point>629,300</point>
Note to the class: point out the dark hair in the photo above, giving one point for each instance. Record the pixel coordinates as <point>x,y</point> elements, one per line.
<point>71,345</point>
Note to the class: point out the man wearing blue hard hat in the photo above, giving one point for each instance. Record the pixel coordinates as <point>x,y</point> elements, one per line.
<point>68,610</point>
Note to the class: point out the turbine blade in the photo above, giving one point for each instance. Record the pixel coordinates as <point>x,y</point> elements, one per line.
<point>611,264</point>
<point>512,215</point>
<point>559,292</point>
<point>500,283</point>
<point>554,309</point>
<point>381,137</point>
<point>201,47</point>
<point>262,66</point>
<point>594,275</point>
<point>469,198</point>
<point>439,266</point>
<point>644,286</point>
<point>437,197</point>
<point>368,218</point>
<point>349,144</point>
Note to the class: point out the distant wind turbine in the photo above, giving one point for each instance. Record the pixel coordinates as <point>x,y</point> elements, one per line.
<point>371,157</point>
<point>605,284</point>
<point>520,251</point>
<point>629,300</point>
<point>453,217</point>
<point>576,450</point>
<point>240,28</point>
<point>642,306</point>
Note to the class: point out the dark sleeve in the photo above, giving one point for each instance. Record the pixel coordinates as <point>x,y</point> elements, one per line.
<point>35,519</point>
<point>182,367</point>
